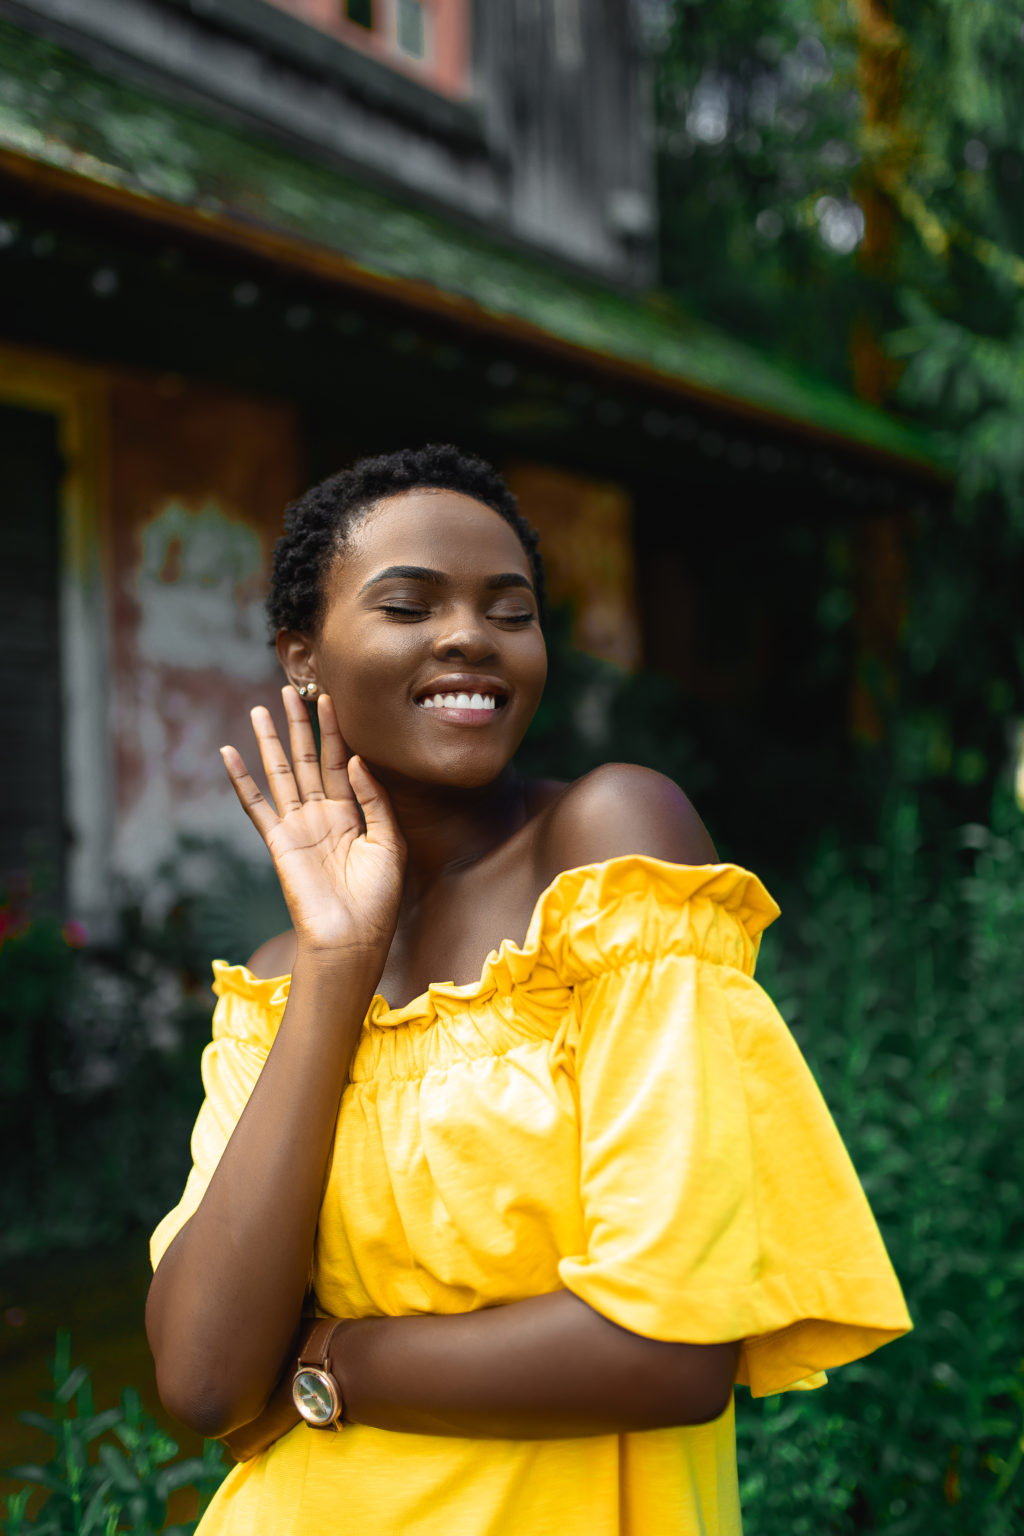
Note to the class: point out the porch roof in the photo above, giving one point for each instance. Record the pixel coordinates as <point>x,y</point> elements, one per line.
<point>90,133</point>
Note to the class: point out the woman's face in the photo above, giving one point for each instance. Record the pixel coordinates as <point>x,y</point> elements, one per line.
<point>430,647</point>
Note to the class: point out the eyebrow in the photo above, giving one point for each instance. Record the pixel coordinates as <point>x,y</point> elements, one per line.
<point>439,579</point>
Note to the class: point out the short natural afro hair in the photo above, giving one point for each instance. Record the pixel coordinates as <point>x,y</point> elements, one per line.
<point>317,526</point>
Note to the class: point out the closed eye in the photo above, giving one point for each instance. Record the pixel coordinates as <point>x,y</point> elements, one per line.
<point>400,611</point>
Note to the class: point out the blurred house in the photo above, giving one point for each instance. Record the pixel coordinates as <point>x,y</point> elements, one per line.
<point>242,242</point>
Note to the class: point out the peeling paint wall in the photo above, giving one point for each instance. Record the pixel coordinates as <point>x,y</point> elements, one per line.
<point>586,539</point>
<point>199,480</point>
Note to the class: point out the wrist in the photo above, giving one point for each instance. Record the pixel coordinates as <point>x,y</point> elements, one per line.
<point>317,1392</point>
<point>353,969</point>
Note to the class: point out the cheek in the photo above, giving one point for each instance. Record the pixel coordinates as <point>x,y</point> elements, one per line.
<point>356,660</point>
<point>538,667</point>
<point>368,683</point>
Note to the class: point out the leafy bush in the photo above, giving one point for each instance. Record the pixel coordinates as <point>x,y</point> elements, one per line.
<point>103,1043</point>
<point>902,975</point>
<point>110,1471</point>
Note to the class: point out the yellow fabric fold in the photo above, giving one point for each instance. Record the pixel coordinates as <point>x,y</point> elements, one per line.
<point>614,1106</point>
<point>719,1201</point>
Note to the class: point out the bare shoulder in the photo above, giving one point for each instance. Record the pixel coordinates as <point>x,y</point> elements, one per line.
<point>620,809</point>
<point>274,958</point>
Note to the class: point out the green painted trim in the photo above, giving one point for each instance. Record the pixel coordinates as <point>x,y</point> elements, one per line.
<point>61,111</point>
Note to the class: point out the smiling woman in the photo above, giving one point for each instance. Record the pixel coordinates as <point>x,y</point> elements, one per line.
<point>506,1167</point>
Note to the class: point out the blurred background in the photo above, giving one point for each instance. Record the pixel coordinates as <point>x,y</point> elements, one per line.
<point>732,291</point>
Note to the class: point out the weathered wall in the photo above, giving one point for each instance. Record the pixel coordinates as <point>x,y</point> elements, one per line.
<point>586,540</point>
<point>566,81</point>
<point>198,481</point>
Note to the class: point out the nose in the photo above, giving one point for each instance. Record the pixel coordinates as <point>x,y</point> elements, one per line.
<point>463,634</point>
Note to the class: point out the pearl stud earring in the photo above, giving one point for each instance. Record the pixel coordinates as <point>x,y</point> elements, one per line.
<point>307,691</point>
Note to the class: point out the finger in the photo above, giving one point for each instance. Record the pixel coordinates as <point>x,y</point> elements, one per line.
<point>280,779</point>
<point>334,755</point>
<point>305,761</point>
<point>259,811</point>
<point>381,826</point>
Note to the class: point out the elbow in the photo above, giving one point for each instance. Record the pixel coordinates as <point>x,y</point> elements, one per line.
<point>704,1382</point>
<point>705,1407</point>
<point>199,1394</point>
<point>193,1379</point>
<point>203,1405</point>
<point>666,1384</point>
<point>688,1384</point>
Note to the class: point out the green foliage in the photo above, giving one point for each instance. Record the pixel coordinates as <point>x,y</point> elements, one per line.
<point>110,1471</point>
<point>102,1043</point>
<point>962,300</point>
<point>757,125</point>
<point>593,713</point>
<point>37,972</point>
<point>901,973</point>
<point>765,144</point>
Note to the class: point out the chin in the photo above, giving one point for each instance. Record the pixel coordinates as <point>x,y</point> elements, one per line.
<point>466,775</point>
<point>472,771</point>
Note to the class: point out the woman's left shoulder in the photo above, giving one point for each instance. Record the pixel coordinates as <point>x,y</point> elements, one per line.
<point>619,809</point>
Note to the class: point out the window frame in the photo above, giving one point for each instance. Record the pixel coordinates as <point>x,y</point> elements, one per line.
<point>398,91</point>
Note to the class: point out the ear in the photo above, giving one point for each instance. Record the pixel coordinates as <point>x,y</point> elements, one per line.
<point>296,655</point>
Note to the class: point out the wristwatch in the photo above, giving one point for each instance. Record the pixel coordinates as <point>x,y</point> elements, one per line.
<point>315,1389</point>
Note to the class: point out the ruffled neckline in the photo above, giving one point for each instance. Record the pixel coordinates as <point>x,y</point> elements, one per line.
<point>573,899</point>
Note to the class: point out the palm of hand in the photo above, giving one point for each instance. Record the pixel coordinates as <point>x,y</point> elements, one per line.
<point>342,879</point>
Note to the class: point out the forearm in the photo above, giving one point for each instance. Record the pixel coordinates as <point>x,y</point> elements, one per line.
<point>226,1297</point>
<point>547,1368</point>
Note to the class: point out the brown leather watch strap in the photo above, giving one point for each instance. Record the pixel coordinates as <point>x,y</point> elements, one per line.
<point>316,1350</point>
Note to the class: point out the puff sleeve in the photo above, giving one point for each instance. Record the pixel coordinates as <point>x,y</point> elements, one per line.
<point>718,1199</point>
<point>245,1022</point>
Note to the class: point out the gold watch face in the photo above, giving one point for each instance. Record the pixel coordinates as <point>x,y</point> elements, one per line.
<point>315,1396</point>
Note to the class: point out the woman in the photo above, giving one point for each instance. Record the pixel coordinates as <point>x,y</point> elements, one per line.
<point>506,1100</point>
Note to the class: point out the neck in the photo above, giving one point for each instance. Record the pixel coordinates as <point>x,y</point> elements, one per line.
<point>445,828</point>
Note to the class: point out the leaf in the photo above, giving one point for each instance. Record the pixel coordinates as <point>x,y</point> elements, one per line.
<point>122,1474</point>
<point>31,1472</point>
<point>61,1356</point>
<point>191,1470</point>
<point>101,1510</point>
<point>69,1386</point>
<point>161,1447</point>
<point>98,1423</point>
<point>16,1503</point>
<point>84,1399</point>
<point>39,1421</point>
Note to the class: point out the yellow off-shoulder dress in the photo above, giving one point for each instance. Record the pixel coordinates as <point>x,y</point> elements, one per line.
<point>616,1108</point>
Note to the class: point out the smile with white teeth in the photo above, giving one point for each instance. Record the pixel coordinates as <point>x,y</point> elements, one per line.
<point>458,701</point>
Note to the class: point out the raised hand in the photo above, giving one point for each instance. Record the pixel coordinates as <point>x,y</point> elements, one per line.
<point>341,871</point>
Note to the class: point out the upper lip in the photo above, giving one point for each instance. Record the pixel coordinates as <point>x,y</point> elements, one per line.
<point>463,682</point>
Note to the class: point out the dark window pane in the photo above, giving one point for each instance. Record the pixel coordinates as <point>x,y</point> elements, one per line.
<point>31,790</point>
<point>361,12</point>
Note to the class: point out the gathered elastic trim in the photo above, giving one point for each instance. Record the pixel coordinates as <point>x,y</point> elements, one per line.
<point>589,921</point>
